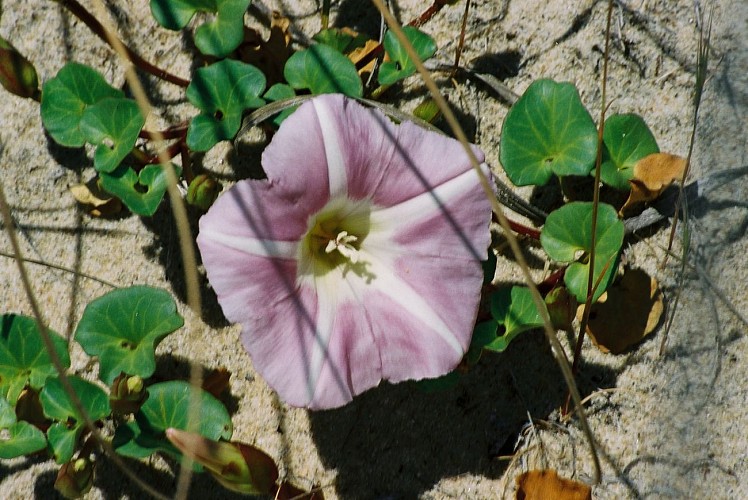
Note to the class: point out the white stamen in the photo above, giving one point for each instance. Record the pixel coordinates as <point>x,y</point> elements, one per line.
<point>342,243</point>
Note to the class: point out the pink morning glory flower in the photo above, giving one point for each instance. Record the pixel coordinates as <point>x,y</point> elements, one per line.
<point>357,260</point>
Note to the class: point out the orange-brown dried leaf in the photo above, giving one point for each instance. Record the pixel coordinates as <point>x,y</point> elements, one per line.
<point>548,485</point>
<point>217,381</point>
<point>652,174</point>
<point>631,311</point>
<point>269,55</point>
<point>97,202</point>
<point>361,52</point>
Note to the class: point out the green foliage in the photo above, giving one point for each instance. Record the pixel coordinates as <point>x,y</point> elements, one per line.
<point>323,70</point>
<point>215,38</point>
<point>23,356</point>
<point>64,434</point>
<point>124,327</point>
<point>113,124</point>
<point>17,74</point>
<point>222,91</point>
<point>142,193</point>
<point>568,232</point>
<point>21,437</point>
<point>483,334</point>
<point>168,405</point>
<point>400,65</point>
<point>65,99</point>
<point>513,309</point>
<point>278,92</point>
<point>548,131</point>
<point>339,40</point>
<point>627,140</point>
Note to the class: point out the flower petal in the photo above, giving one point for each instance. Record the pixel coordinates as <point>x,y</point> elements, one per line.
<point>406,309</point>
<point>449,210</point>
<point>311,348</point>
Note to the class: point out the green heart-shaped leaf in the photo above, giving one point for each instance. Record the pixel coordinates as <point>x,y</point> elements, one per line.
<point>514,308</point>
<point>323,70</point>
<point>66,97</point>
<point>222,91</point>
<point>627,140</point>
<point>63,435</point>
<point>400,65</point>
<point>168,405</point>
<point>124,327</point>
<point>483,334</point>
<point>23,357</point>
<point>20,438</point>
<point>568,232</point>
<point>340,40</point>
<point>215,38</point>
<point>141,193</point>
<point>548,131</point>
<point>113,124</point>
<point>278,92</point>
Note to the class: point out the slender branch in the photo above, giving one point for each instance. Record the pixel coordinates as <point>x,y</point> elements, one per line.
<point>175,132</point>
<point>595,199</point>
<point>94,25</point>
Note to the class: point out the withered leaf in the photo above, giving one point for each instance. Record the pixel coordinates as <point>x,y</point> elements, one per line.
<point>548,485</point>
<point>631,311</point>
<point>652,174</point>
<point>269,56</point>
<point>97,202</point>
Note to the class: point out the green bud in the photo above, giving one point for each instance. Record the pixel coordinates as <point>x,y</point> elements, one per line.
<point>17,74</point>
<point>75,478</point>
<point>562,307</point>
<point>127,394</point>
<point>203,191</point>
<point>237,466</point>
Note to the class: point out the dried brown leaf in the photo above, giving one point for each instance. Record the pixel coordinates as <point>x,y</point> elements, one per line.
<point>97,202</point>
<point>269,55</point>
<point>652,174</point>
<point>548,485</point>
<point>361,52</point>
<point>631,311</point>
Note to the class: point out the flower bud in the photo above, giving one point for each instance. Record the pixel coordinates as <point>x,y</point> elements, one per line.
<point>203,191</point>
<point>127,394</point>
<point>75,478</point>
<point>17,74</point>
<point>237,466</point>
<point>562,307</point>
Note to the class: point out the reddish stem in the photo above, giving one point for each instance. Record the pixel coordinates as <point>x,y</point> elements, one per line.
<point>518,228</point>
<point>175,132</point>
<point>170,152</point>
<point>94,25</point>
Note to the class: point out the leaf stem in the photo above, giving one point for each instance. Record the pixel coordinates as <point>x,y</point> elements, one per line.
<point>95,26</point>
<point>173,132</point>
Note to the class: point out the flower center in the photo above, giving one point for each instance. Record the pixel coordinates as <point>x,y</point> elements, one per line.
<point>335,236</point>
<point>343,243</point>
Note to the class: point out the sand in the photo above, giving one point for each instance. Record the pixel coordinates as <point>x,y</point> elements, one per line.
<point>667,427</point>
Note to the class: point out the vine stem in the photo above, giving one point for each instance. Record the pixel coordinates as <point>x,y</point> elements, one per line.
<point>595,197</point>
<point>98,29</point>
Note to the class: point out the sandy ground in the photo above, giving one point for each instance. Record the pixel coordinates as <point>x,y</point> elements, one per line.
<point>668,427</point>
